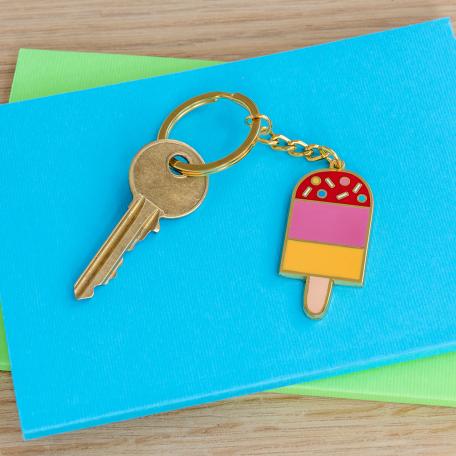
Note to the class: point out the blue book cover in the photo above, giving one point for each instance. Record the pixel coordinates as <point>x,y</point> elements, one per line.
<point>198,312</point>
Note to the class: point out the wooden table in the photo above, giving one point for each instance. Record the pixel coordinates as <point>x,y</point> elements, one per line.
<point>223,30</point>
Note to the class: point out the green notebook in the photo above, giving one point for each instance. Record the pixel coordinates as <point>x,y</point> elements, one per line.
<point>42,73</point>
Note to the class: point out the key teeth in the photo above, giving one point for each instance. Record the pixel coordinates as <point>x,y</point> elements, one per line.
<point>88,292</point>
<point>147,230</point>
<point>131,229</point>
<point>83,294</point>
<point>113,272</point>
<point>143,234</point>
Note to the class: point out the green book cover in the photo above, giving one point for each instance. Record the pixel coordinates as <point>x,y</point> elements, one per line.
<point>42,73</point>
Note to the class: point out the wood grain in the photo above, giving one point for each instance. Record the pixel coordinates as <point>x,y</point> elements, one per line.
<point>221,30</point>
<point>263,424</point>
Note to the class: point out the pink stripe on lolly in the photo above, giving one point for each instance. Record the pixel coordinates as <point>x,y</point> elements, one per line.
<point>329,223</point>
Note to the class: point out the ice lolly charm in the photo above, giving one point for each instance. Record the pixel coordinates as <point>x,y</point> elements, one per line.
<point>327,235</point>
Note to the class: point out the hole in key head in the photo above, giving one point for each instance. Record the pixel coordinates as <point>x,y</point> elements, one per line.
<point>174,170</point>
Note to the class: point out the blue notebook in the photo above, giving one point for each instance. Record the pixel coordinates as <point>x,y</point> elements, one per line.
<point>198,312</point>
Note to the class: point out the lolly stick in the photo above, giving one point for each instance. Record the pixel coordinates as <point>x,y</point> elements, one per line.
<point>316,296</point>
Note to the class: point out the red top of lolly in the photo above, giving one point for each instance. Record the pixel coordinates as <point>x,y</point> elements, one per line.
<point>334,187</point>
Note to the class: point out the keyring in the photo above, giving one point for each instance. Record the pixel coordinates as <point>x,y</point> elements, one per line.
<point>331,197</point>
<point>189,169</point>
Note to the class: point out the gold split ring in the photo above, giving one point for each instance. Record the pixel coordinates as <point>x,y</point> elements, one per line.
<point>205,169</point>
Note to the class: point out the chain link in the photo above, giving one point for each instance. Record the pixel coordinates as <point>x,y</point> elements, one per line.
<point>295,147</point>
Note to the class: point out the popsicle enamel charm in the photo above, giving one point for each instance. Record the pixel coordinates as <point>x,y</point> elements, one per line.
<point>327,235</point>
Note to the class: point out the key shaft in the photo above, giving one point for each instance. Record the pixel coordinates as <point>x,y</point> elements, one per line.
<point>141,217</point>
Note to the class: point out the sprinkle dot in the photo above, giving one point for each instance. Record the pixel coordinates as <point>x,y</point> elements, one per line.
<point>306,192</point>
<point>321,194</point>
<point>344,181</point>
<point>362,198</point>
<point>315,180</point>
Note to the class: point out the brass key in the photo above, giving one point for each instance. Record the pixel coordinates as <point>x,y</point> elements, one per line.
<point>157,192</point>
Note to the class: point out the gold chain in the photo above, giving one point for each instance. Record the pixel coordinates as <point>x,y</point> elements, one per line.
<point>295,147</point>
